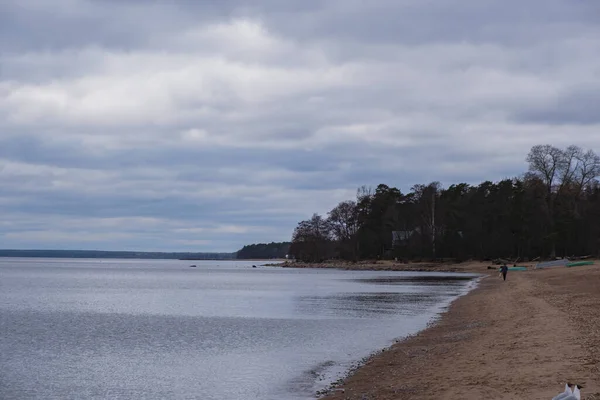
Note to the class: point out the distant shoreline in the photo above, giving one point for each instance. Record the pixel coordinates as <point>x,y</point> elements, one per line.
<point>386,265</point>
<point>129,255</point>
<point>138,255</point>
<point>272,260</point>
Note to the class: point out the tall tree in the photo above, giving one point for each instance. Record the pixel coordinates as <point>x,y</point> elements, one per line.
<point>343,220</point>
<point>554,209</point>
<point>545,161</point>
<point>377,217</point>
<point>564,173</point>
<point>426,203</point>
<point>311,240</point>
<point>587,170</point>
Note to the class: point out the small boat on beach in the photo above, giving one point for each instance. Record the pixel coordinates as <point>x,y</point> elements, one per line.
<point>580,263</point>
<point>553,264</point>
<point>565,262</point>
<point>515,268</point>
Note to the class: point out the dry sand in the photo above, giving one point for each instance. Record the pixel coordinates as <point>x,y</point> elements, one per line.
<point>519,339</point>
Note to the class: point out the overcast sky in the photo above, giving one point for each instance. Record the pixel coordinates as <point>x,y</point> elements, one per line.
<point>207,125</point>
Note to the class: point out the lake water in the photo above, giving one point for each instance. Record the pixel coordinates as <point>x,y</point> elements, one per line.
<point>138,329</point>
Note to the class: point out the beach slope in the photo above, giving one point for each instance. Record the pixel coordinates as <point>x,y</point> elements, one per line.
<point>519,339</point>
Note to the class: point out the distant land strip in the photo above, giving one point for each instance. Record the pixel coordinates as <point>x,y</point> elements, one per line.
<point>116,254</point>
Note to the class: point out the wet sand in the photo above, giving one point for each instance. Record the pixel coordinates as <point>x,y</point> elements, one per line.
<point>386,265</point>
<point>519,339</point>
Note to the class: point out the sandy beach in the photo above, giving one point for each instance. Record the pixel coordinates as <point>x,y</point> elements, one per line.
<point>519,339</point>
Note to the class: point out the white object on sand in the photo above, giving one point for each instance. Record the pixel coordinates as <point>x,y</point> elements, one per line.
<point>569,394</point>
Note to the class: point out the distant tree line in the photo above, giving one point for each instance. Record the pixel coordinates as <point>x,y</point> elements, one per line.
<point>551,210</point>
<point>115,254</point>
<point>264,251</point>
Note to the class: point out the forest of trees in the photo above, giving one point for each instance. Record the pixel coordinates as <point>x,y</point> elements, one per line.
<point>551,210</point>
<point>264,251</point>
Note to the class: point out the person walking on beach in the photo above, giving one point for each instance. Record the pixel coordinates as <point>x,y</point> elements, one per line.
<point>504,271</point>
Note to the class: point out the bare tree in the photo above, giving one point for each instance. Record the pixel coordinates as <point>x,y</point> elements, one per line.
<point>364,193</point>
<point>588,169</point>
<point>567,167</point>
<point>546,161</point>
<point>562,171</point>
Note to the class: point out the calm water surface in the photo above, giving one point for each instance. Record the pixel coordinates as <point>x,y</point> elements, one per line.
<point>137,329</point>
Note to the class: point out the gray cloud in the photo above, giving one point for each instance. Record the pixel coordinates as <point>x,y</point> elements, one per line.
<point>208,125</point>
<point>578,106</point>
